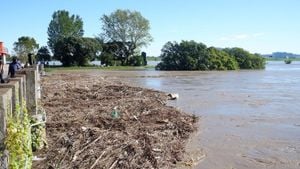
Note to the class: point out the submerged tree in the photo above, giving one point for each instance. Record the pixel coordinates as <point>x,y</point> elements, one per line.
<point>190,55</point>
<point>187,55</point>
<point>245,59</point>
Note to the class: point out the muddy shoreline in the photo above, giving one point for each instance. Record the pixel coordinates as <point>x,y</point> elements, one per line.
<point>96,123</point>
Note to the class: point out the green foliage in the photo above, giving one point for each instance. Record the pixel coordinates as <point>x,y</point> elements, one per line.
<point>136,60</point>
<point>220,60</point>
<point>62,26</point>
<point>127,27</point>
<point>43,54</point>
<point>38,135</point>
<point>288,61</point>
<point>18,140</point>
<point>245,59</point>
<point>112,52</point>
<point>76,51</point>
<point>107,59</point>
<point>24,46</point>
<point>190,55</point>
<point>113,55</point>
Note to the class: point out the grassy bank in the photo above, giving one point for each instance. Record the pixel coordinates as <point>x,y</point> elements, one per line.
<point>153,58</point>
<point>60,68</point>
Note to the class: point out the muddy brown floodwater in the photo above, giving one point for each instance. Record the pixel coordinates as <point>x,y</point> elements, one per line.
<point>249,119</point>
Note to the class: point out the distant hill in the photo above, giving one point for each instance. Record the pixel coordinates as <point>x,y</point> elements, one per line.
<point>282,55</point>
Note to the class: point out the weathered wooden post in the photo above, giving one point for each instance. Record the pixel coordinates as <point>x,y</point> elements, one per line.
<point>5,109</point>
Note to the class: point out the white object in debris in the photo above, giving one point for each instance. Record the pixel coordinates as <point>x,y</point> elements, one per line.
<point>173,96</point>
<point>35,158</point>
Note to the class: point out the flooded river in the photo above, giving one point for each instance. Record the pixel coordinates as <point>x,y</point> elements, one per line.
<point>249,119</point>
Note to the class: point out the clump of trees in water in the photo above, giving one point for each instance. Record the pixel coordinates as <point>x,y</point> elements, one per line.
<point>190,55</point>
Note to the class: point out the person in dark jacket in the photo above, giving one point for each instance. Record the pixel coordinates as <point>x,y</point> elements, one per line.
<point>1,72</point>
<point>30,59</point>
<point>13,67</point>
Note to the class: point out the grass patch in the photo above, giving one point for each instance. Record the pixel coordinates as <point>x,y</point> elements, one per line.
<point>83,68</point>
<point>153,58</point>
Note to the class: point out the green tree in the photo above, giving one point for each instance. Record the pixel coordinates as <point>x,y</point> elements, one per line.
<point>76,51</point>
<point>136,60</point>
<point>24,46</point>
<point>62,26</point>
<point>127,27</point>
<point>245,59</point>
<point>113,53</point>
<point>188,55</point>
<point>220,60</point>
<point>43,54</point>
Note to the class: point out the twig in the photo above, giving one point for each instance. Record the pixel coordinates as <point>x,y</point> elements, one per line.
<point>113,164</point>
<point>95,163</point>
<point>61,160</point>
<point>36,124</point>
<point>84,148</point>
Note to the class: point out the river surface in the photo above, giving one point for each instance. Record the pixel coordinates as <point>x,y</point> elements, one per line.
<point>249,119</point>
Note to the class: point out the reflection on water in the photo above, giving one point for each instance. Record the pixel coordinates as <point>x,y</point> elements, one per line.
<point>250,119</point>
<point>153,83</point>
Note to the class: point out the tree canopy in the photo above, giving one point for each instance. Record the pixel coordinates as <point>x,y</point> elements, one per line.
<point>62,26</point>
<point>190,55</point>
<point>24,46</point>
<point>128,29</point>
<point>245,59</point>
<point>76,51</point>
<point>43,54</point>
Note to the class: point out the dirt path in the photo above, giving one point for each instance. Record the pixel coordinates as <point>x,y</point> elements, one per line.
<point>94,123</point>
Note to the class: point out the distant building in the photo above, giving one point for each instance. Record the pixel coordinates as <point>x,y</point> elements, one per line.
<point>3,52</point>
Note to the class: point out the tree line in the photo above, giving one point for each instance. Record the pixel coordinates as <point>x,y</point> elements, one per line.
<point>190,55</point>
<point>123,34</point>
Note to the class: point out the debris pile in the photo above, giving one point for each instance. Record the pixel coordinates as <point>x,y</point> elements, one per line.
<point>95,123</point>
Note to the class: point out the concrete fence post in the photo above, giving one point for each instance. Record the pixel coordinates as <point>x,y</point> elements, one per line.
<point>5,109</point>
<point>14,85</point>
<point>26,85</point>
<point>20,81</point>
<point>31,91</point>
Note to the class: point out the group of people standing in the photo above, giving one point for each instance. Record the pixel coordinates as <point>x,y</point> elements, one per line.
<point>14,66</point>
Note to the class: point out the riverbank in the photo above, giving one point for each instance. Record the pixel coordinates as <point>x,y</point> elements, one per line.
<point>88,68</point>
<point>96,123</point>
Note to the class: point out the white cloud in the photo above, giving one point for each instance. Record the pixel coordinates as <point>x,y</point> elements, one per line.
<point>241,37</point>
